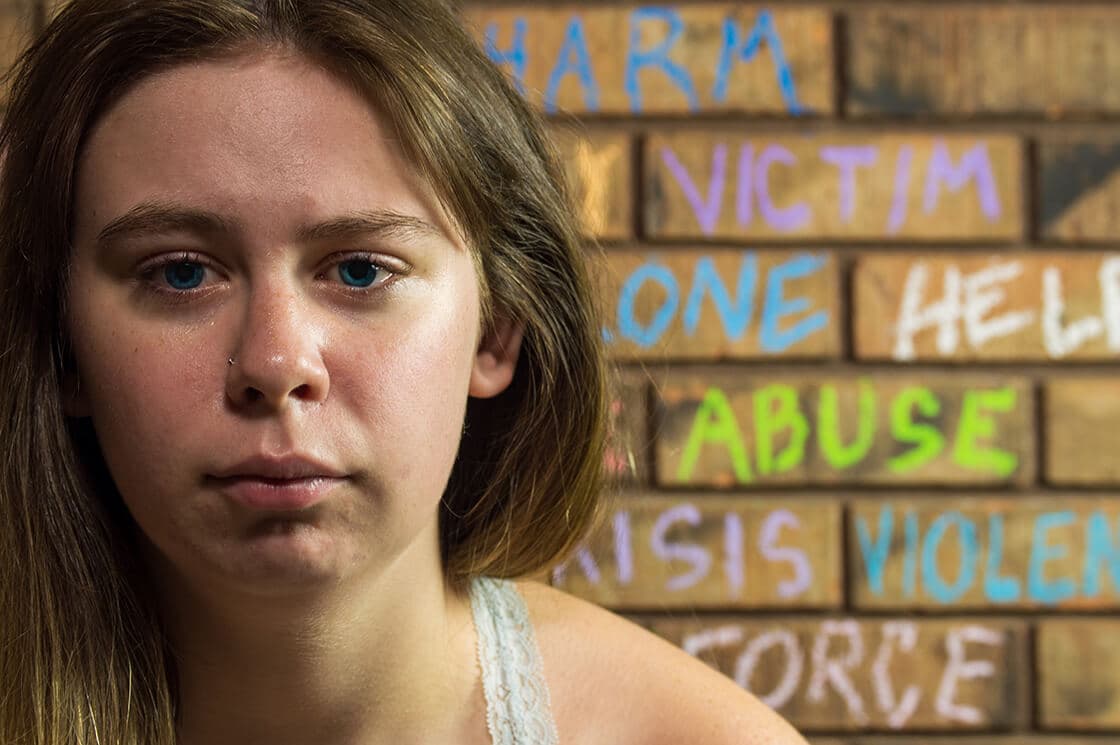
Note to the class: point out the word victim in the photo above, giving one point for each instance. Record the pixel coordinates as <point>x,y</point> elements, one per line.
<point>753,175</point>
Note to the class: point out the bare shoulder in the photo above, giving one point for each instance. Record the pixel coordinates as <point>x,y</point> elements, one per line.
<point>611,681</point>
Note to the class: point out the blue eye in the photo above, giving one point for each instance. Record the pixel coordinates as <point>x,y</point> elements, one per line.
<point>183,275</point>
<point>359,271</point>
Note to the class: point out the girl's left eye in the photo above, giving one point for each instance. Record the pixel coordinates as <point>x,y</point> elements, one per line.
<point>183,275</point>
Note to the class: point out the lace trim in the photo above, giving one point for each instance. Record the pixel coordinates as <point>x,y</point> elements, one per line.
<point>518,706</point>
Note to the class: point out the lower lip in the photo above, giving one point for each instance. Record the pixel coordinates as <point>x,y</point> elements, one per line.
<point>277,494</point>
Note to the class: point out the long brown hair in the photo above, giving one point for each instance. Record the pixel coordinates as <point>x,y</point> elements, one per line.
<point>82,654</point>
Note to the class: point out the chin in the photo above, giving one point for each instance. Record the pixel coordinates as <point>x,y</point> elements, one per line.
<point>285,555</point>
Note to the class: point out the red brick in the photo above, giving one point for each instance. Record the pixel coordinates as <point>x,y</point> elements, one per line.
<point>1054,60</point>
<point>1079,674</point>
<point>599,167</point>
<point>1081,432</point>
<point>1080,188</point>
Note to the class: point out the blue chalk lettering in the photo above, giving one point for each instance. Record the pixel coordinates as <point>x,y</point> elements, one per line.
<point>970,548</point>
<point>657,57</point>
<point>1041,552</point>
<point>573,57</point>
<point>734,316</point>
<point>910,555</point>
<point>1100,548</point>
<point>628,325</point>
<point>997,588</point>
<point>875,556</point>
<point>515,55</point>
<point>736,51</point>
<point>776,306</point>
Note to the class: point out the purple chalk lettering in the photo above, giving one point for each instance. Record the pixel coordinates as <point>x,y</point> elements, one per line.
<point>744,198</point>
<point>784,219</point>
<point>975,165</point>
<point>847,158</point>
<point>706,211</point>
<point>901,189</point>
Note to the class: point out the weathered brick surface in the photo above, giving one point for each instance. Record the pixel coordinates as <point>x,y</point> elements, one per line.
<point>1007,306</point>
<point>711,552</point>
<point>1079,180</point>
<point>1051,60</point>
<point>721,430</point>
<point>985,553</point>
<point>898,674</point>
<point>1082,439</point>
<point>923,186</point>
<point>625,459</point>
<point>599,166</point>
<point>663,59</point>
<point>1079,674</point>
<point>17,28</point>
<point>722,304</point>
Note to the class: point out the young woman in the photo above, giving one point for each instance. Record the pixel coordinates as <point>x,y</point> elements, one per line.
<point>301,371</point>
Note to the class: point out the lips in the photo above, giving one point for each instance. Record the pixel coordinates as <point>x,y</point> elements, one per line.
<point>273,494</point>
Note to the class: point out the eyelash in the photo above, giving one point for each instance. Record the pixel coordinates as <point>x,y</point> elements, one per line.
<point>151,274</point>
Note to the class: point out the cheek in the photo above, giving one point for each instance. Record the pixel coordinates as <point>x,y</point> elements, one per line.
<point>412,391</point>
<point>146,397</point>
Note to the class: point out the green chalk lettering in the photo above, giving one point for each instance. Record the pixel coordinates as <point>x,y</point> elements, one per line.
<point>928,440</point>
<point>978,424</point>
<point>715,423</point>
<point>839,455</point>
<point>770,420</point>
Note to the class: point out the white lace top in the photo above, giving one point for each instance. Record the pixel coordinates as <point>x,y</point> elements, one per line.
<point>518,709</point>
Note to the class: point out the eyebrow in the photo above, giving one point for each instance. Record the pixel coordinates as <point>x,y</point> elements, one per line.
<point>153,218</point>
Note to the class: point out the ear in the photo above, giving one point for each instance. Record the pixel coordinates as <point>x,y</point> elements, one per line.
<point>74,401</point>
<point>496,358</point>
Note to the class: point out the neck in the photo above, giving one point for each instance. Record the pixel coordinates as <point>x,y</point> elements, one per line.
<point>385,659</point>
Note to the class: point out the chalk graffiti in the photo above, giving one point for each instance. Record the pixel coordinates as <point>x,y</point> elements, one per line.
<point>753,179</point>
<point>968,300</point>
<point>575,60</point>
<point>777,411</point>
<point>735,308</point>
<point>770,544</point>
<point>979,564</point>
<point>850,667</point>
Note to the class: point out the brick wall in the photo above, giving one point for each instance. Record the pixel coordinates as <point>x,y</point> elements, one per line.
<point>860,288</point>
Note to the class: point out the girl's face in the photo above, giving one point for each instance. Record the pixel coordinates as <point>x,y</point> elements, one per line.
<point>257,208</point>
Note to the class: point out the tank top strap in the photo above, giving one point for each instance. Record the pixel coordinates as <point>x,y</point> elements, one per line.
<point>518,707</point>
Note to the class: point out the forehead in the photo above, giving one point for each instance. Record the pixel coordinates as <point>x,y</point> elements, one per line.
<point>271,134</point>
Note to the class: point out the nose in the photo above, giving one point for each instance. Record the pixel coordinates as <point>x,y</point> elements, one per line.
<point>278,359</point>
